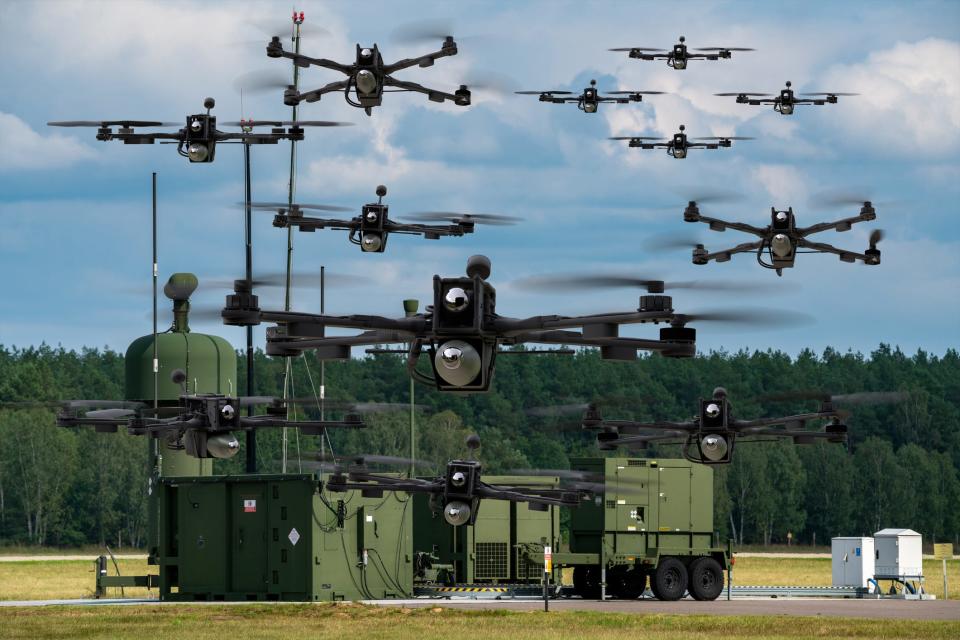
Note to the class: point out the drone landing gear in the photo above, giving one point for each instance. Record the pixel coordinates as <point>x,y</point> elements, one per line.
<point>780,272</point>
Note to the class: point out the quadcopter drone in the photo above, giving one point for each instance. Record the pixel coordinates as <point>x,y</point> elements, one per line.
<point>679,55</point>
<point>782,240</point>
<point>198,140</point>
<point>463,333</point>
<point>369,77</point>
<point>590,99</point>
<point>787,100</point>
<point>460,489</point>
<point>372,227</point>
<point>680,143</point>
<point>709,438</point>
<point>203,424</point>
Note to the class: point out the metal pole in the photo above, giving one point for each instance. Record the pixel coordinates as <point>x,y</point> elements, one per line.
<point>413,434</point>
<point>291,187</point>
<point>251,440</point>
<point>944,578</point>
<point>323,369</point>
<point>153,448</point>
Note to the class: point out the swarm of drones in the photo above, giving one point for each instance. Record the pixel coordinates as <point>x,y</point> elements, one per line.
<point>461,333</point>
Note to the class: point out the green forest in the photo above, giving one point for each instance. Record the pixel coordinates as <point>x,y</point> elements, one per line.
<point>67,487</point>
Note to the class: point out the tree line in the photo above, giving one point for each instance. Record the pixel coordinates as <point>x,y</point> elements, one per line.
<point>901,467</point>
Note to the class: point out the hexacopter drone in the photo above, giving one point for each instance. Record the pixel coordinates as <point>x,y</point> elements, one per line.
<point>787,100</point>
<point>369,77</point>
<point>782,240</point>
<point>373,226</point>
<point>198,140</point>
<point>679,144</point>
<point>679,55</point>
<point>590,98</point>
<point>463,332</point>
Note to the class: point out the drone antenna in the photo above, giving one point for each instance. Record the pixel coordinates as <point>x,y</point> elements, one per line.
<point>473,443</point>
<point>789,84</point>
<point>593,83</point>
<point>208,104</point>
<point>381,191</point>
<point>682,39</point>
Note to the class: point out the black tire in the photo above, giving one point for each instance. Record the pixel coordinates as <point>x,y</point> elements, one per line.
<point>626,583</point>
<point>706,579</point>
<point>586,582</point>
<point>669,581</point>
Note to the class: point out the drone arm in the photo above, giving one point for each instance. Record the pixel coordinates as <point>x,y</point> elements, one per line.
<point>364,339</point>
<point>845,256</point>
<point>839,225</point>
<point>413,324</point>
<point>577,338</point>
<point>314,95</point>
<point>634,428</point>
<point>424,229</point>
<point>726,253</point>
<point>275,50</point>
<point>304,222</point>
<point>432,94</point>
<point>751,426</point>
<point>422,61</point>
<point>719,225</point>
<point>513,326</point>
<point>496,493</point>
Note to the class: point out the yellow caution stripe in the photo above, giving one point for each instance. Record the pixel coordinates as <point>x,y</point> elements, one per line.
<point>471,589</point>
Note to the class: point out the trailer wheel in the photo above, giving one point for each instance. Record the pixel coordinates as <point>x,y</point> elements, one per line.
<point>669,581</point>
<point>706,579</point>
<point>586,582</point>
<point>627,583</point>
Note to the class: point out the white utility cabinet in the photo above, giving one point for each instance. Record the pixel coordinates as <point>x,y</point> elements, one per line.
<point>853,561</point>
<point>899,553</point>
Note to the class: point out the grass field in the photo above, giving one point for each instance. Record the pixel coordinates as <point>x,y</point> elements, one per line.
<point>54,579</point>
<point>394,623</point>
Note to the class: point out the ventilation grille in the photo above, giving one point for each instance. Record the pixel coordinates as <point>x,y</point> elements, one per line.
<point>492,561</point>
<point>527,570</point>
<point>611,504</point>
<point>636,463</point>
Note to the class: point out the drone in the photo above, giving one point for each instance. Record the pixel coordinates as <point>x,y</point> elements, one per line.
<point>463,333</point>
<point>679,55</point>
<point>709,437</point>
<point>369,77</point>
<point>203,424</point>
<point>590,99</point>
<point>787,100</point>
<point>680,143</point>
<point>782,240</point>
<point>198,140</point>
<point>459,490</point>
<point>372,227</point>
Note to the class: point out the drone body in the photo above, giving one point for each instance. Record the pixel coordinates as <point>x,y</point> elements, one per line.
<point>787,100</point>
<point>590,99</point>
<point>678,146</point>
<point>680,54</point>
<point>197,140</point>
<point>371,229</point>
<point>782,239</point>
<point>369,76</point>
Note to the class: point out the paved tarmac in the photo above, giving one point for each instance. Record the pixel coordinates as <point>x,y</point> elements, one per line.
<point>827,607</point>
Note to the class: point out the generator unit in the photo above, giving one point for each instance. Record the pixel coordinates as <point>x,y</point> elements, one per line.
<point>899,554</point>
<point>504,545</point>
<point>281,537</point>
<point>654,521</point>
<point>853,561</point>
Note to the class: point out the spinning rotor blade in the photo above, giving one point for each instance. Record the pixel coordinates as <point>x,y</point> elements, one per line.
<point>112,123</point>
<point>557,410</point>
<point>876,236</point>
<point>283,27</point>
<point>288,123</point>
<point>362,460</point>
<point>752,318</point>
<point>724,138</point>
<point>830,93</point>
<point>423,31</point>
<point>262,80</point>
<point>298,279</point>
<point>451,216</point>
<point>859,398</point>
<point>637,138</point>
<point>613,281</point>
<point>635,49</point>
<point>356,407</point>
<point>629,93</point>
<point>296,205</point>
<point>724,49</point>
<point>669,241</point>
<point>857,198</point>
<point>744,93</point>
<point>536,93</point>
<point>110,414</point>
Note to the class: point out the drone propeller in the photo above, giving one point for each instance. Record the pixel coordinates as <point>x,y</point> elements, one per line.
<point>755,317</point>
<point>744,93</point>
<point>298,279</point>
<point>287,123</point>
<point>630,93</point>
<point>635,49</point>
<point>724,49</point>
<point>875,236</point>
<point>110,414</point>
<point>286,207</point>
<point>860,398</point>
<point>830,93</point>
<point>636,138</point>
<point>613,281</point>
<point>475,218</point>
<point>724,138</point>
<point>356,407</point>
<point>858,198</point>
<point>536,93</point>
<point>347,462</point>
<point>283,27</point>
<point>423,31</point>
<point>112,123</point>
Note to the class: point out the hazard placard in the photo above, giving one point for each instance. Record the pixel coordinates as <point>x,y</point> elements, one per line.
<point>249,506</point>
<point>548,559</point>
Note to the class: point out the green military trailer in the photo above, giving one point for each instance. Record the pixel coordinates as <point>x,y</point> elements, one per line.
<point>281,537</point>
<point>653,523</point>
<point>504,547</point>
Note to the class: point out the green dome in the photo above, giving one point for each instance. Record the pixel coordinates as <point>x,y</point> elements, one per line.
<point>209,362</point>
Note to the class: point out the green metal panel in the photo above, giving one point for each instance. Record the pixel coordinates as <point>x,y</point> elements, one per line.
<point>248,510</point>
<point>202,537</point>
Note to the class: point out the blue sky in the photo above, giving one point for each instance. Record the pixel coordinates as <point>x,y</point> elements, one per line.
<point>75,239</point>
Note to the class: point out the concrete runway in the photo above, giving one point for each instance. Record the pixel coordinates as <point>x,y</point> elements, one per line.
<point>828,607</point>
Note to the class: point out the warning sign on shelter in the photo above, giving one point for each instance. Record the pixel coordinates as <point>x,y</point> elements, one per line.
<point>249,506</point>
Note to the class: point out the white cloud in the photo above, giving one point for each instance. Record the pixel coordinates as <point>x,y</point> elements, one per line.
<point>784,184</point>
<point>909,97</point>
<point>24,148</point>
